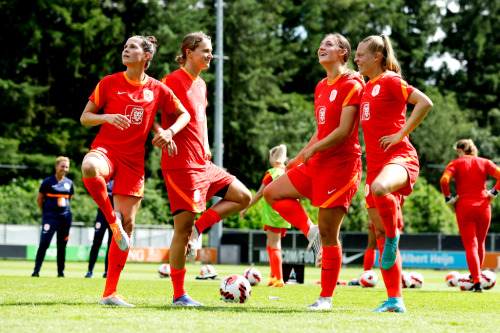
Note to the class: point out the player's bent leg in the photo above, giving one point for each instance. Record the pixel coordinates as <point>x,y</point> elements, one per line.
<point>126,207</point>
<point>237,198</point>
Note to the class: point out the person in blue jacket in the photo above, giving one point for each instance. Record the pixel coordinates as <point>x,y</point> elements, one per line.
<point>53,199</point>
<point>100,227</point>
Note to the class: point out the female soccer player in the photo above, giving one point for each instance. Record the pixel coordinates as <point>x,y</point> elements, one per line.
<point>473,207</point>
<point>274,225</point>
<point>190,177</point>
<point>100,227</point>
<point>331,169</point>
<point>392,161</point>
<point>53,199</point>
<point>130,100</point>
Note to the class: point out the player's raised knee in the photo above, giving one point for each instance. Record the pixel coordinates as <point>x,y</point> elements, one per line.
<point>90,167</point>
<point>379,189</point>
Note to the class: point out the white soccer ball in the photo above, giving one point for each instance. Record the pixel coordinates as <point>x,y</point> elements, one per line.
<point>417,280</point>
<point>164,270</point>
<point>465,282</point>
<point>368,279</point>
<point>452,279</point>
<point>208,271</point>
<point>235,289</point>
<point>253,276</point>
<point>488,279</point>
<point>405,279</point>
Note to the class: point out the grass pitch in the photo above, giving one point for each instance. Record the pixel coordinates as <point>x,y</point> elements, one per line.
<point>51,304</point>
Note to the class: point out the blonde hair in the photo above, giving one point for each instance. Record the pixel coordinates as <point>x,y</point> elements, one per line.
<point>467,145</point>
<point>191,42</point>
<point>277,155</point>
<point>343,44</point>
<point>382,44</point>
<point>62,159</point>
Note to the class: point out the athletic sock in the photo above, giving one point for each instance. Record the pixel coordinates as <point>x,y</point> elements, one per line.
<point>206,220</point>
<point>387,208</point>
<point>178,281</point>
<point>369,259</point>
<point>270,260</point>
<point>392,277</point>
<point>98,191</point>
<point>276,263</point>
<point>330,270</point>
<point>293,212</point>
<point>116,262</point>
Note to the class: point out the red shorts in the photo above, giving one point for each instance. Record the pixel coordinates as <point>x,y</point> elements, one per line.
<point>127,173</point>
<point>327,187</point>
<point>412,168</point>
<point>189,189</point>
<point>281,231</point>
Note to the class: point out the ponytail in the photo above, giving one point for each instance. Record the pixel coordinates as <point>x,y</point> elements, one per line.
<point>467,145</point>
<point>383,45</point>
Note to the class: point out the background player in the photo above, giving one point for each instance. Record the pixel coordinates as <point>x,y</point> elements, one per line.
<point>392,161</point>
<point>190,177</point>
<point>473,207</point>
<point>331,169</point>
<point>130,101</point>
<point>274,225</point>
<point>53,199</point>
<point>100,227</point>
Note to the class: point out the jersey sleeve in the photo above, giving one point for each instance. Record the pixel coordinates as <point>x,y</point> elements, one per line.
<point>494,171</point>
<point>267,179</point>
<point>446,178</point>
<point>99,94</point>
<point>72,189</point>
<point>170,101</point>
<point>44,187</point>
<point>399,88</point>
<point>353,91</point>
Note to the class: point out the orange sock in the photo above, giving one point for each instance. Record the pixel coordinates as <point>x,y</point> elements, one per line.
<point>293,212</point>
<point>276,263</point>
<point>178,281</point>
<point>369,259</point>
<point>387,208</point>
<point>206,220</point>
<point>116,262</point>
<point>392,277</point>
<point>98,191</point>
<point>270,260</point>
<point>330,269</point>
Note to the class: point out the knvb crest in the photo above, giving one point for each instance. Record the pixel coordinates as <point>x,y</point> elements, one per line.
<point>333,95</point>
<point>321,114</point>
<point>135,114</point>
<point>365,111</point>
<point>148,95</point>
<point>375,90</point>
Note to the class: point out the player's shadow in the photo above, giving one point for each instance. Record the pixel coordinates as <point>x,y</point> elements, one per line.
<point>241,308</point>
<point>44,303</point>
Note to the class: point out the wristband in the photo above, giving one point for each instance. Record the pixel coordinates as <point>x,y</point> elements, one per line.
<point>171,130</point>
<point>494,191</point>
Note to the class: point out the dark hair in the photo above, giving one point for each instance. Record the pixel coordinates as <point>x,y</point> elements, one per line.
<point>191,42</point>
<point>344,45</point>
<point>382,44</point>
<point>148,44</point>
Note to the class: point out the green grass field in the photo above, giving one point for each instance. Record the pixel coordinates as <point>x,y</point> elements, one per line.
<point>51,304</point>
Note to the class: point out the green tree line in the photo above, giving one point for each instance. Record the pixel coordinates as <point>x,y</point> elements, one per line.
<point>60,49</point>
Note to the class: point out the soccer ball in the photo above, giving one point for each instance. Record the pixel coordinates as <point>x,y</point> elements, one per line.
<point>452,279</point>
<point>405,279</point>
<point>368,279</point>
<point>235,289</point>
<point>488,279</point>
<point>465,282</point>
<point>164,270</point>
<point>208,271</point>
<point>417,280</point>
<point>253,276</point>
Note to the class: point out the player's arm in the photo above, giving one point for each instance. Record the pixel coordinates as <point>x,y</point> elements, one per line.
<point>494,171</point>
<point>422,106</point>
<point>70,197</point>
<point>90,117</point>
<point>298,159</point>
<point>164,136</point>
<point>170,148</point>
<point>445,188</point>
<point>208,153</point>
<point>39,200</point>
<point>346,126</point>
<point>256,197</point>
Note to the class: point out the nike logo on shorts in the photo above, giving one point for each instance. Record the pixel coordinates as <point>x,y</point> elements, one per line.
<point>329,192</point>
<point>121,92</point>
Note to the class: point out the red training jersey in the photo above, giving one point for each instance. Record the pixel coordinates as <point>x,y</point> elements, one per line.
<point>383,112</point>
<point>190,141</point>
<point>139,102</point>
<point>330,98</point>
<point>470,174</point>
